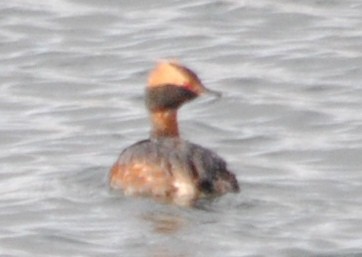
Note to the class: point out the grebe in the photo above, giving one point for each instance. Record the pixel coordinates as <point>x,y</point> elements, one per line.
<point>165,166</point>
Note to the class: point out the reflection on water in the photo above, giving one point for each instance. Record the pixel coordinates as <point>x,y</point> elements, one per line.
<point>71,98</point>
<point>165,224</point>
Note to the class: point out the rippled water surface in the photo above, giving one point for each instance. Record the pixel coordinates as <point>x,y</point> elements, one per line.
<point>72,75</point>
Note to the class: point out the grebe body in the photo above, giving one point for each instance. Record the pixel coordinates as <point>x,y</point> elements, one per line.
<point>165,166</point>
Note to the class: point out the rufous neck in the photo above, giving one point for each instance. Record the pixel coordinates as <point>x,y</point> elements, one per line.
<point>164,123</point>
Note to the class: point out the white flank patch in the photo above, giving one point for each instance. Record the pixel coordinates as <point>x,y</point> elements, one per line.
<point>186,192</point>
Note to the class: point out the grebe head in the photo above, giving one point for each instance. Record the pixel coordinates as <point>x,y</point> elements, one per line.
<point>171,84</point>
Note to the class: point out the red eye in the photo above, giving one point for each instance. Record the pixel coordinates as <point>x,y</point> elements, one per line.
<point>188,86</point>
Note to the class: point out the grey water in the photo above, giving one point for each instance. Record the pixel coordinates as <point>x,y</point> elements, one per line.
<point>289,124</point>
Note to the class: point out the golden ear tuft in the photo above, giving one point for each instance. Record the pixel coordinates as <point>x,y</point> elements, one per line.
<point>172,72</point>
<point>166,72</point>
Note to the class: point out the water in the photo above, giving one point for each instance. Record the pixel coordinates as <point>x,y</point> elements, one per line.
<point>289,124</point>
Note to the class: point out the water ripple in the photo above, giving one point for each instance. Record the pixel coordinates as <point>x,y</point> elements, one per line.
<point>288,123</point>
